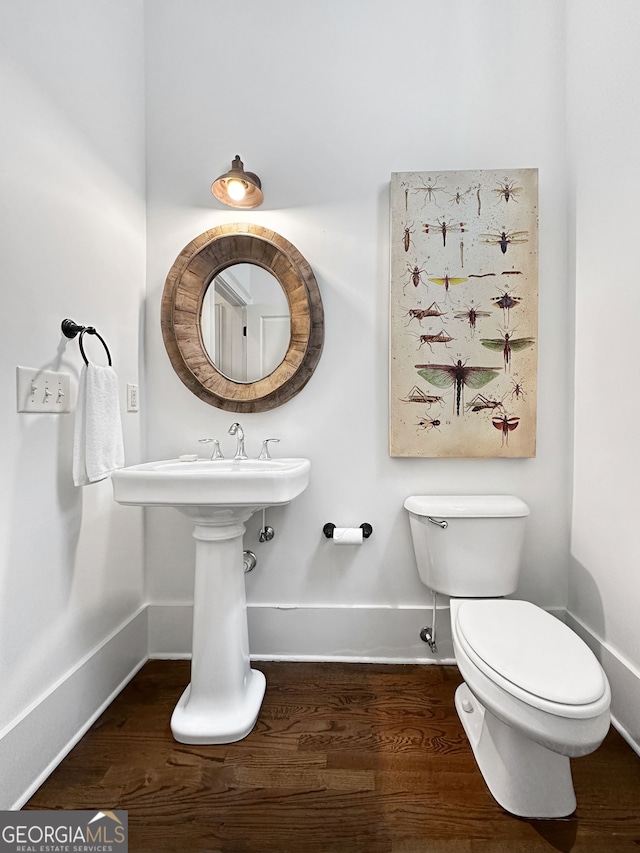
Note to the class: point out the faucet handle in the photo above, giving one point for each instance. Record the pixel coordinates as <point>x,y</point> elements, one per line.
<point>264,453</point>
<point>217,453</point>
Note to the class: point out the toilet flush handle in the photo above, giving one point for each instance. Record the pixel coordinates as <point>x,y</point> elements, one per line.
<point>443,524</point>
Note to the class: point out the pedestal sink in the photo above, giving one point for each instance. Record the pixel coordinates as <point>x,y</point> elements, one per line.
<point>222,702</point>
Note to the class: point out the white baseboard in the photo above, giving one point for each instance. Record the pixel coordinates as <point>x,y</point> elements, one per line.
<point>361,634</point>
<point>624,679</point>
<point>34,744</point>
<point>170,629</point>
<point>365,634</point>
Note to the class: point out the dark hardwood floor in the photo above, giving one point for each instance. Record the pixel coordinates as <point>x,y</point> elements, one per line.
<point>345,758</point>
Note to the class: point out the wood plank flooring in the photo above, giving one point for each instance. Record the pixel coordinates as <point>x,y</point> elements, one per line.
<point>344,758</point>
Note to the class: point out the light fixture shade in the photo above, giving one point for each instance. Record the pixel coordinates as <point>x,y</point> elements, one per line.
<point>236,178</point>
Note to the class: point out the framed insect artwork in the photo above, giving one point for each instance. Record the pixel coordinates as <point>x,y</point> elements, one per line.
<point>464,313</point>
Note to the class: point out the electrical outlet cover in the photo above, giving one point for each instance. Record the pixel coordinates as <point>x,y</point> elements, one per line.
<point>132,398</point>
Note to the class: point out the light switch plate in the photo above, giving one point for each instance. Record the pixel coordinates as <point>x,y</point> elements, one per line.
<point>43,390</point>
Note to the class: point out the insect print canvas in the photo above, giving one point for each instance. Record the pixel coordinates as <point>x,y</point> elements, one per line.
<point>464,313</point>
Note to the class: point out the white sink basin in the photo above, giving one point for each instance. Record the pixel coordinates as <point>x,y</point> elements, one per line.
<point>212,482</point>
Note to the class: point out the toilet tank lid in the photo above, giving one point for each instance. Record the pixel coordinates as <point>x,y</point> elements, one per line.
<point>467,506</point>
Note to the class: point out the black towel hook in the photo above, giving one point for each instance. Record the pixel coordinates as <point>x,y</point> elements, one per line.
<point>70,329</point>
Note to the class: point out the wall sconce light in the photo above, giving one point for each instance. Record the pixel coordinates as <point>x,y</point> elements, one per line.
<point>238,188</point>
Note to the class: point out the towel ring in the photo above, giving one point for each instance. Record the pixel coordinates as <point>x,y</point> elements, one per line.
<point>70,329</point>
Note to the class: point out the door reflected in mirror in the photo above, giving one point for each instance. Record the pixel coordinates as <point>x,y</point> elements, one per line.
<point>245,322</point>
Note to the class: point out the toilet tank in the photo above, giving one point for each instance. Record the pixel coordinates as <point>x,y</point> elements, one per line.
<point>477,554</point>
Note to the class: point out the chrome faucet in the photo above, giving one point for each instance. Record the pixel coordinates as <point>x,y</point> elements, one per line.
<point>216,453</point>
<point>236,429</point>
<point>264,453</point>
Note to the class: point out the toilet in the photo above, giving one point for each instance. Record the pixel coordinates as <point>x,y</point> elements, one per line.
<point>534,695</point>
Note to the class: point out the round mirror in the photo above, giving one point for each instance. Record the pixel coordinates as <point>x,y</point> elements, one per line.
<point>245,322</point>
<point>189,320</point>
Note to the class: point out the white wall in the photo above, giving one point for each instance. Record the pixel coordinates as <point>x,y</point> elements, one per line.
<point>72,242</point>
<point>324,101</point>
<point>603,92</point>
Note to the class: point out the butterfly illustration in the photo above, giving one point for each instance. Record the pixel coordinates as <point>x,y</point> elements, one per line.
<point>458,375</point>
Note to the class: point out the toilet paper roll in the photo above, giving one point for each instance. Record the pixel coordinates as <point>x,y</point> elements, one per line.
<point>347,536</point>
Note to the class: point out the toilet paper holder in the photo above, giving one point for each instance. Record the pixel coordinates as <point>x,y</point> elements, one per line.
<point>329,527</point>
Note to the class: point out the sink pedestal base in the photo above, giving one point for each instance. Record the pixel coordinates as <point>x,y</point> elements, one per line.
<point>212,727</point>
<point>222,702</point>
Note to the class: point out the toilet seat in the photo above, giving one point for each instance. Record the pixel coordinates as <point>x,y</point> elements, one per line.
<point>532,655</point>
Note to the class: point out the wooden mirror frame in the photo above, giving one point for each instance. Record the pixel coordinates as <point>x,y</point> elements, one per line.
<point>189,277</point>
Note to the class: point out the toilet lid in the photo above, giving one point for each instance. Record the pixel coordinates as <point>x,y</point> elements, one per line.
<point>532,650</point>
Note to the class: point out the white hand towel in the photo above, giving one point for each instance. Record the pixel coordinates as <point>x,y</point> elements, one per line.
<point>98,448</point>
